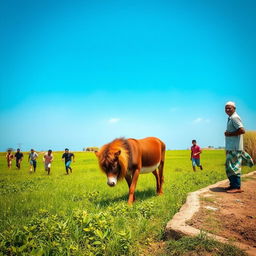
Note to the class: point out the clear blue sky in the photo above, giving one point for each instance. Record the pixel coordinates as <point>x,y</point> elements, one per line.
<point>81,73</point>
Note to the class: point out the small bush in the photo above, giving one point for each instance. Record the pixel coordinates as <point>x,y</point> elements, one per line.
<point>48,234</point>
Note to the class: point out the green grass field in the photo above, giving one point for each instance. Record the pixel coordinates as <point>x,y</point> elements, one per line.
<point>79,214</point>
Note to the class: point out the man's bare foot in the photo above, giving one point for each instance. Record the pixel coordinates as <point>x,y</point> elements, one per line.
<point>235,190</point>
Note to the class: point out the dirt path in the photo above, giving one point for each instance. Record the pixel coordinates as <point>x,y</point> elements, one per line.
<point>229,217</point>
<point>232,216</point>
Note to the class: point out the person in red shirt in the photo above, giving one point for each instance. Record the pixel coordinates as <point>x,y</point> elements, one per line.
<point>195,155</point>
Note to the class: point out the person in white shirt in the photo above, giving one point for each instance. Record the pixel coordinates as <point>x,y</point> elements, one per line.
<point>48,157</point>
<point>235,154</point>
<point>32,159</point>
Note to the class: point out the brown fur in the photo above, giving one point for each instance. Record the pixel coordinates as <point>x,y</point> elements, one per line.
<point>106,154</point>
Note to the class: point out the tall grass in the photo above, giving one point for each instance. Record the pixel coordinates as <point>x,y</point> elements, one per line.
<point>250,143</point>
<point>79,214</point>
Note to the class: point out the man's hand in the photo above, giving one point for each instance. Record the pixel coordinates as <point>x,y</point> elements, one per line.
<point>235,133</point>
<point>227,134</point>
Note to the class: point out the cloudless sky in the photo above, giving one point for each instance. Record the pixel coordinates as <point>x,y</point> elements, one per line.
<point>81,73</point>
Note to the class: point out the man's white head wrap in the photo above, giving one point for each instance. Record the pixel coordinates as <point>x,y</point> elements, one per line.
<point>231,103</point>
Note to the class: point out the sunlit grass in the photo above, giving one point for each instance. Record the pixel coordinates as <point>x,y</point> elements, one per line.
<point>23,195</point>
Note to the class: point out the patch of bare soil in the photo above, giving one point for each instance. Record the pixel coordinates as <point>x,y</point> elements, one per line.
<point>232,216</point>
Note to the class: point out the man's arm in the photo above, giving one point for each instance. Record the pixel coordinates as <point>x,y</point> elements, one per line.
<point>235,133</point>
<point>198,153</point>
<point>73,158</point>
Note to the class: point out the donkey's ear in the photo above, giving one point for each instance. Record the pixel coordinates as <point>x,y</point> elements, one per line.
<point>97,153</point>
<point>117,154</point>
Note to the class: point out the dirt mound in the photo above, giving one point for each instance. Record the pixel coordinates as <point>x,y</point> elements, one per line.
<point>232,216</point>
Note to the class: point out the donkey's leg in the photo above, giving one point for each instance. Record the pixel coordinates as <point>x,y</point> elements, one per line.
<point>135,177</point>
<point>128,179</point>
<point>156,174</point>
<point>161,176</point>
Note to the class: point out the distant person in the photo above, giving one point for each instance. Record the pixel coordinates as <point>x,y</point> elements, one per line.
<point>195,155</point>
<point>68,159</point>
<point>32,159</point>
<point>19,157</point>
<point>48,157</point>
<point>9,157</point>
<point>235,153</point>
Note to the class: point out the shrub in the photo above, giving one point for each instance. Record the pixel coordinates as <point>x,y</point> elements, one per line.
<point>48,234</point>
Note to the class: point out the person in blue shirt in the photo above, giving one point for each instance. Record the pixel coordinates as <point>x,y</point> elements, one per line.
<point>67,156</point>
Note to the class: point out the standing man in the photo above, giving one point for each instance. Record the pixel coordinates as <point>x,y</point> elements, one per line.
<point>48,157</point>
<point>9,157</point>
<point>195,155</point>
<point>68,159</point>
<point>235,153</point>
<point>32,159</point>
<point>19,157</point>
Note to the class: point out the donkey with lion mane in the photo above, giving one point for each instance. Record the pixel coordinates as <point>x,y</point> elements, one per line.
<point>128,158</point>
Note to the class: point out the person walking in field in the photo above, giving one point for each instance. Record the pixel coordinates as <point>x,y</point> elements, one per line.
<point>67,156</point>
<point>32,159</point>
<point>195,155</point>
<point>235,153</point>
<point>19,157</point>
<point>48,157</point>
<point>9,157</point>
